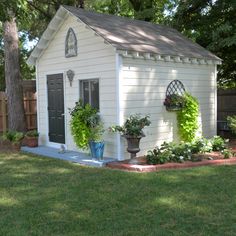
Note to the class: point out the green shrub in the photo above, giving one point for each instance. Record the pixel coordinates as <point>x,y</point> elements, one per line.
<point>218,143</point>
<point>232,123</point>
<point>157,156</point>
<point>169,152</point>
<point>32,133</point>
<point>13,136</point>
<point>201,145</point>
<point>187,118</point>
<point>85,124</point>
<point>173,152</point>
<point>227,153</point>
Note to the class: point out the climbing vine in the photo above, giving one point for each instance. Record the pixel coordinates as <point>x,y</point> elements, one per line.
<point>187,118</point>
<point>85,124</point>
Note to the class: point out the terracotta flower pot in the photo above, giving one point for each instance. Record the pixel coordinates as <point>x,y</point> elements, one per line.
<point>16,146</point>
<point>31,141</point>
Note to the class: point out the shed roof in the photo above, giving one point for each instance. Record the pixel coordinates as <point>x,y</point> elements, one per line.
<point>134,35</point>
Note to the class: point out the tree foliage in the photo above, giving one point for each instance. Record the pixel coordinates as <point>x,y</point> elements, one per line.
<point>148,10</point>
<point>211,23</point>
<point>28,13</point>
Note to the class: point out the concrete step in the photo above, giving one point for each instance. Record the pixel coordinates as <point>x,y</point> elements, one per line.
<point>72,156</point>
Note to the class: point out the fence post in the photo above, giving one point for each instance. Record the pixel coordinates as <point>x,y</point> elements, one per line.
<point>4,112</point>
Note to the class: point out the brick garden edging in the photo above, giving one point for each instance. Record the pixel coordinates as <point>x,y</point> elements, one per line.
<point>169,166</point>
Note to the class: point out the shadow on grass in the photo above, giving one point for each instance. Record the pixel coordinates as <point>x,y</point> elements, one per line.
<point>43,196</point>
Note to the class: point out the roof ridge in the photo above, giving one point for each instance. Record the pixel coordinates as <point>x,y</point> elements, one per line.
<point>102,14</point>
<point>126,34</point>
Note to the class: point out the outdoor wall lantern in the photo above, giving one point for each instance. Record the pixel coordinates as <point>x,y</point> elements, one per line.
<point>70,75</point>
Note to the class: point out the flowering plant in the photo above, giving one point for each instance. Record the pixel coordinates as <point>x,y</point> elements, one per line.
<point>174,100</point>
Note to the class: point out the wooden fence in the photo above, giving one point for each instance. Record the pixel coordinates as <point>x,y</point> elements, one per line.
<point>226,103</point>
<point>226,106</point>
<point>30,110</point>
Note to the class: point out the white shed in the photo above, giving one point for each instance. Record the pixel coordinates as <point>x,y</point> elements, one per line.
<point>122,66</point>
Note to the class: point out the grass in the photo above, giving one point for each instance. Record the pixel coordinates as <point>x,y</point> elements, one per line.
<point>42,196</point>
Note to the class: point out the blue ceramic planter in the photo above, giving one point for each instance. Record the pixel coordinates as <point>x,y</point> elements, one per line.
<point>97,149</point>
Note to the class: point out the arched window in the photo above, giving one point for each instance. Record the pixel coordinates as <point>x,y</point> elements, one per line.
<point>71,44</point>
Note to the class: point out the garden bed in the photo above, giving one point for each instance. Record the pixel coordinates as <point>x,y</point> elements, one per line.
<point>213,158</point>
<point>141,167</point>
<point>7,146</point>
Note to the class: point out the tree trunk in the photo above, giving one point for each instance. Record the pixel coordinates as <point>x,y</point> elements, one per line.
<point>81,4</point>
<point>14,91</point>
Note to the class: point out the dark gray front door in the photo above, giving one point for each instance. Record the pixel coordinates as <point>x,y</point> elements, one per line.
<point>56,108</point>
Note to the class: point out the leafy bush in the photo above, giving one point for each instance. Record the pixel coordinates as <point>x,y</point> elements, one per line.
<point>218,143</point>
<point>232,123</point>
<point>172,152</point>
<point>187,118</point>
<point>158,156</point>
<point>32,133</point>
<point>133,126</point>
<point>13,136</point>
<point>201,145</point>
<point>227,153</point>
<point>169,152</point>
<point>85,124</point>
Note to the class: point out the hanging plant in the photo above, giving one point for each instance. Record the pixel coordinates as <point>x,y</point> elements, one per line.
<point>174,102</point>
<point>187,118</point>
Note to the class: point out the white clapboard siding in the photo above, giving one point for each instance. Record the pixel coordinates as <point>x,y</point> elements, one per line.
<point>95,60</point>
<point>143,89</point>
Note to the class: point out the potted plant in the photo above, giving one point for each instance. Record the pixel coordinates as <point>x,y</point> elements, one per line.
<point>87,129</point>
<point>96,144</point>
<point>174,102</point>
<point>31,138</point>
<point>132,130</point>
<point>13,139</point>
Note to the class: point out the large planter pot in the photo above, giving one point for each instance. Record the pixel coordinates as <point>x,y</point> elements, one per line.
<point>31,141</point>
<point>133,144</point>
<point>97,149</point>
<point>16,146</point>
<point>6,144</point>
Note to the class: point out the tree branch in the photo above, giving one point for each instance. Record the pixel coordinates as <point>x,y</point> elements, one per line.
<point>47,15</point>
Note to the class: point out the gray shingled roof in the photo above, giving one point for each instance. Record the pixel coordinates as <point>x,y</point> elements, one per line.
<point>140,36</point>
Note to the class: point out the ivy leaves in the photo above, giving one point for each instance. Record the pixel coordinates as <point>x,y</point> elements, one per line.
<point>85,124</point>
<point>188,118</point>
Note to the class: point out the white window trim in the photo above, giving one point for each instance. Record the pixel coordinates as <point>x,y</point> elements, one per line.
<point>81,89</point>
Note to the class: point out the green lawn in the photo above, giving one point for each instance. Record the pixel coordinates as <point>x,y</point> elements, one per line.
<point>42,196</point>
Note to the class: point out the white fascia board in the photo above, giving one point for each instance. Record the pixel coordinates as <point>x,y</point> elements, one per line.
<point>48,35</point>
<point>95,32</point>
<point>167,58</point>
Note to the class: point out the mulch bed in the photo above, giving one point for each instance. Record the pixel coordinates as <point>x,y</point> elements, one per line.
<point>216,159</point>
